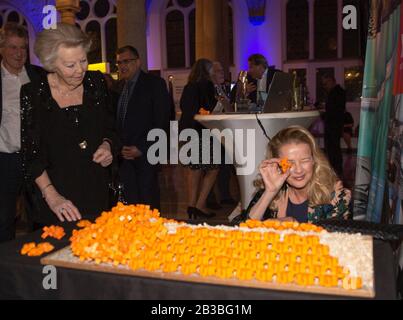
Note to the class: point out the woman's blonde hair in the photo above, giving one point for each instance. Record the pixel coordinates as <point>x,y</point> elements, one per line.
<point>321,186</point>
<point>49,41</point>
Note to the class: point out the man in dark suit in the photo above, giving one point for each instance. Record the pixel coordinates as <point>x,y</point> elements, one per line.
<point>143,106</point>
<point>260,76</point>
<point>334,121</point>
<point>14,73</point>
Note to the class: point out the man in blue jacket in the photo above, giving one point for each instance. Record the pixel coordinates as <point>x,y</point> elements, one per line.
<point>144,104</point>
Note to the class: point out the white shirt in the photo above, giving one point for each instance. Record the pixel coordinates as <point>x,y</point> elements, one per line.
<point>262,89</point>
<point>262,83</point>
<point>10,134</point>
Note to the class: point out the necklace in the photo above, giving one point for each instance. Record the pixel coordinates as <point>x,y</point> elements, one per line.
<point>66,94</point>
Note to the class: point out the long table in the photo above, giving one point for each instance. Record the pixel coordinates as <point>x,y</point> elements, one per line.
<point>21,277</point>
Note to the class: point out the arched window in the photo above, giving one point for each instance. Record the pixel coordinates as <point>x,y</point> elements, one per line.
<point>351,38</point>
<point>326,29</point>
<point>98,19</point>
<point>180,26</point>
<point>10,15</point>
<point>180,33</point>
<point>297,30</point>
<point>175,39</point>
<point>192,36</point>
<point>314,34</point>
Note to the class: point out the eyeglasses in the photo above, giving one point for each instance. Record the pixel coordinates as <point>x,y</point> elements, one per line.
<point>12,47</point>
<point>125,62</point>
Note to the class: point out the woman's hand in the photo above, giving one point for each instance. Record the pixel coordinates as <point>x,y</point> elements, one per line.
<point>250,87</point>
<point>103,155</point>
<point>272,176</point>
<point>131,153</point>
<point>226,103</point>
<point>63,208</point>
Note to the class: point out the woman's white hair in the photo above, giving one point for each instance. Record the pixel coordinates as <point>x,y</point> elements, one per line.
<point>49,41</point>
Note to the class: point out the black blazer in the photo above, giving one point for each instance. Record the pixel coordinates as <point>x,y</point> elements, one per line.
<point>41,147</point>
<point>36,104</point>
<point>148,109</point>
<point>335,108</point>
<point>253,95</point>
<point>33,74</point>
<point>196,95</point>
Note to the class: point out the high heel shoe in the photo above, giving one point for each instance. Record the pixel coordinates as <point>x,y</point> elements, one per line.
<point>200,214</point>
<point>190,212</point>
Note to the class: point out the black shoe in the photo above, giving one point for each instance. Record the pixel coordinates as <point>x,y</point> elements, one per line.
<point>190,212</point>
<point>196,213</point>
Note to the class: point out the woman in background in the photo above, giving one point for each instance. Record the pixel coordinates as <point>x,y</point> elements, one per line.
<point>199,93</point>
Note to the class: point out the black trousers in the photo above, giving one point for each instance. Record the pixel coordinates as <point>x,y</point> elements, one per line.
<point>333,149</point>
<point>10,188</point>
<point>140,179</point>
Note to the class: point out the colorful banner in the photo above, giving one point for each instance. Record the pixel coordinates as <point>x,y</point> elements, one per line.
<point>378,189</point>
<point>394,208</point>
<point>398,88</point>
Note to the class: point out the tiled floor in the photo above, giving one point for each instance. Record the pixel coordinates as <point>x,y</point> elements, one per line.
<point>175,187</point>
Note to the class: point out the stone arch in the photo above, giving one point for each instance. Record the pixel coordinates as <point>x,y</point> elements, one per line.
<point>32,13</point>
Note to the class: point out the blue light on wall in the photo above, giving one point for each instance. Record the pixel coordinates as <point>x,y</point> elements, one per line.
<point>257,21</point>
<point>148,4</point>
<point>31,10</point>
<point>257,8</point>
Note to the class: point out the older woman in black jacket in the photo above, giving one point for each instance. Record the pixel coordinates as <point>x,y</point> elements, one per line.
<point>68,137</point>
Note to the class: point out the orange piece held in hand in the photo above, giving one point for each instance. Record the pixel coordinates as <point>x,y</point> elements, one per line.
<point>285,165</point>
<point>53,232</point>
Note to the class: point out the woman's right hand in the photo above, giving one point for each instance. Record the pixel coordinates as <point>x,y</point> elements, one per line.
<point>272,176</point>
<point>63,208</point>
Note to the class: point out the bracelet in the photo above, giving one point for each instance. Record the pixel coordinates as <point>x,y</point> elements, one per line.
<point>43,190</point>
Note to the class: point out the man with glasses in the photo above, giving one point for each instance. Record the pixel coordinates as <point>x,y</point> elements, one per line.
<point>143,105</point>
<point>14,73</point>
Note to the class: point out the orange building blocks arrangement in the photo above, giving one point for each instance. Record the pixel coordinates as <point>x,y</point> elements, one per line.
<point>139,238</point>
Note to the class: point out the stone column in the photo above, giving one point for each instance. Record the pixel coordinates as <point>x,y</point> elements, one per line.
<point>131,23</point>
<point>212,32</point>
<point>68,10</point>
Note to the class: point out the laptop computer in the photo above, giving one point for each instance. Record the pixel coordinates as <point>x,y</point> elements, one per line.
<point>279,95</point>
